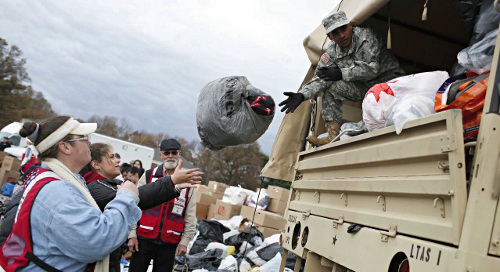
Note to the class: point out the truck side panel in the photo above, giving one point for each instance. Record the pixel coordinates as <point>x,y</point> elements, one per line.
<point>413,183</point>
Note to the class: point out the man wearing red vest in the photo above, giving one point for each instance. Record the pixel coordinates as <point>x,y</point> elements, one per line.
<point>163,231</point>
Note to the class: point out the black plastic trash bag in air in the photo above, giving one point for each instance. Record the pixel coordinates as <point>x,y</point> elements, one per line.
<point>232,112</point>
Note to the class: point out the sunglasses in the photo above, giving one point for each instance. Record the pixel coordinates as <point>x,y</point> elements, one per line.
<point>81,139</point>
<point>166,153</point>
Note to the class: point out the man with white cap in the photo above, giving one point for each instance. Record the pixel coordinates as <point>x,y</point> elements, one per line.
<point>58,225</point>
<point>354,61</point>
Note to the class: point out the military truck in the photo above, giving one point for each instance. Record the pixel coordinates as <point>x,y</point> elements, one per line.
<point>423,200</point>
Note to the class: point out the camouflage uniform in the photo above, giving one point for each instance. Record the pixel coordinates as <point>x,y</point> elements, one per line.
<point>365,63</point>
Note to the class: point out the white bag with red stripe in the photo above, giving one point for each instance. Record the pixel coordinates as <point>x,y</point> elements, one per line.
<point>380,105</point>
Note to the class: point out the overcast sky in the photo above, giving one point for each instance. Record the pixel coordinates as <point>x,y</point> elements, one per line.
<point>147,61</point>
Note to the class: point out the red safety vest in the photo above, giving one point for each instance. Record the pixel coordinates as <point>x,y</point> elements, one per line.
<point>165,221</point>
<point>17,251</point>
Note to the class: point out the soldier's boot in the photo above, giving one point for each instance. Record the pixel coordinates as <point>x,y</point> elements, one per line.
<point>333,130</point>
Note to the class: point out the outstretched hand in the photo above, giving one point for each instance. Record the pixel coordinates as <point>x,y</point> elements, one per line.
<point>186,178</point>
<point>292,102</point>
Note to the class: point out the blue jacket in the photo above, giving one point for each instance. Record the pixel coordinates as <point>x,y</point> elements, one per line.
<point>68,233</point>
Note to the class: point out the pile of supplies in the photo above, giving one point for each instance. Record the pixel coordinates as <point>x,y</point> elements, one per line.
<point>235,231</point>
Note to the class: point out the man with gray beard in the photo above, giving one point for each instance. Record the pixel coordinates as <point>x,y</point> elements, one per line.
<point>163,231</point>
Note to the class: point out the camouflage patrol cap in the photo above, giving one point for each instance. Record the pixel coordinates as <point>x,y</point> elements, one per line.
<point>334,20</point>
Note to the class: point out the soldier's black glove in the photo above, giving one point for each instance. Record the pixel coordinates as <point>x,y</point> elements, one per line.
<point>293,101</point>
<point>329,74</point>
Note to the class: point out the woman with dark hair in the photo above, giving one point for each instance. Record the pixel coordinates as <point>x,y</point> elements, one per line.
<point>58,219</point>
<point>100,176</point>
<point>138,164</point>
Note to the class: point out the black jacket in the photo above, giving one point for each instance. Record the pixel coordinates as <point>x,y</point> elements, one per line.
<point>10,214</point>
<point>150,195</point>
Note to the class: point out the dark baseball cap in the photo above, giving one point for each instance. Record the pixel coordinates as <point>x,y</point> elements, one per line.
<point>170,144</point>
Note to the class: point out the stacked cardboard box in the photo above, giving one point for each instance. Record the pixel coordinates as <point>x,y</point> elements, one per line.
<point>247,212</point>
<point>10,170</point>
<point>217,189</point>
<point>204,199</point>
<point>2,156</point>
<point>207,197</point>
<point>11,164</point>
<point>211,211</point>
<point>279,198</point>
<point>266,222</point>
<point>225,211</point>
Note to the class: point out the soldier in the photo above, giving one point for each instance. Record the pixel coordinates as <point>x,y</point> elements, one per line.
<point>352,63</point>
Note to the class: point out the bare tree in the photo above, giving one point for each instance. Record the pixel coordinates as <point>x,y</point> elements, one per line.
<point>236,165</point>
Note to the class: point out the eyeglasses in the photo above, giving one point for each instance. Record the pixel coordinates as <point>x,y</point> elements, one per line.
<point>81,139</point>
<point>166,153</point>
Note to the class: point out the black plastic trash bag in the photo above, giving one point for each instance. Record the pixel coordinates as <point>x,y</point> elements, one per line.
<point>247,235</point>
<point>210,231</point>
<point>231,112</point>
<point>269,252</point>
<point>209,260</point>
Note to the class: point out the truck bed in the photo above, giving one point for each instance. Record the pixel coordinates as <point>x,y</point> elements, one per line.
<point>412,184</point>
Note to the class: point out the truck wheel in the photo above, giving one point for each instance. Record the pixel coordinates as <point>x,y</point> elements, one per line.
<point>399,263</point>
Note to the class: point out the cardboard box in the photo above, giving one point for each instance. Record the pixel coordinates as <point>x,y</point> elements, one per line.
<point>211,211</point>
<point>205,198</point>
<point>247,212</point>
<point>206,190</point>
<point>8,176</point>
<point>217,187</point>
<point>224,211</point>
<point>278,193</point>
<point>202,211</point>
<point>11,164</point>
<point>2,156</point>
<point>269,219</point>
<point>218,196</point>
<point>277,206</point>
<point>203,189</point>
<point>268,231</point>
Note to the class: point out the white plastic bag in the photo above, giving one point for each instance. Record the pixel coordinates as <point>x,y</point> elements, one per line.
<point>232,223</point>
<point>410,107</point>
<point>275,238</point>
<point>376,106</point>
<point>254,257</point>
<point>382,98</point>
<point>245,266</point>
<point>229,263</point>
<point>262,202</point>
<point>478,57</point>
<point>215,245</point>
<point>272,265</point>
<point>230,233</point>
<point>235,195</point>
